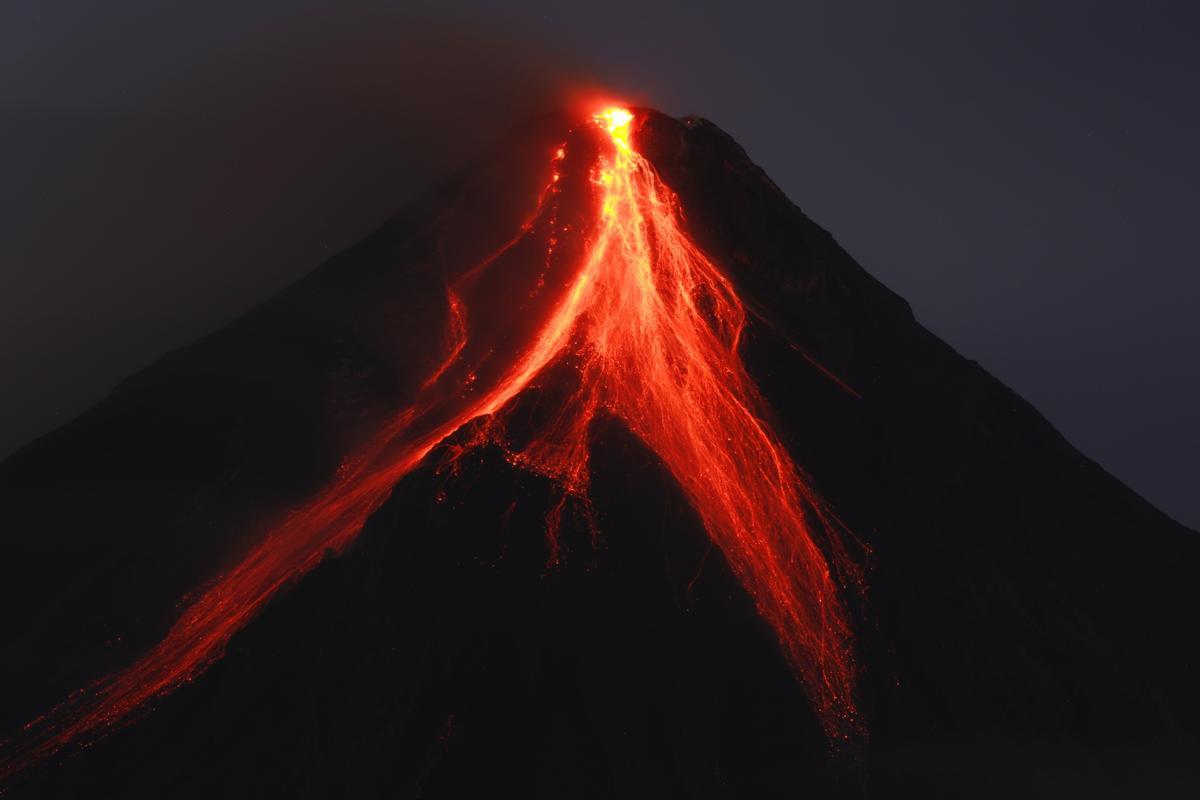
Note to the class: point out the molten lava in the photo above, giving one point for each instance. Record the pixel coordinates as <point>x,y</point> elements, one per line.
<point>651,327</point>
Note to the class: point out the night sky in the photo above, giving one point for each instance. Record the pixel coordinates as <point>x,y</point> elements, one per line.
<point>1025,173</point>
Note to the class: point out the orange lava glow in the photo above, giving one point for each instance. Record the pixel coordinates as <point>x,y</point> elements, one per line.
<point>652,328</point>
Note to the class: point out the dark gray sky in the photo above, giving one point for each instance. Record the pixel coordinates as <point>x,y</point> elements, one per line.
<point>1025,173</point>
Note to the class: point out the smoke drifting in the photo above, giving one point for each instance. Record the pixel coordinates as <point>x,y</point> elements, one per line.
<point>165,171</point>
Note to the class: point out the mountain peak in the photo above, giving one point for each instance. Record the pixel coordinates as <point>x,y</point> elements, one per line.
<point>602,463</point>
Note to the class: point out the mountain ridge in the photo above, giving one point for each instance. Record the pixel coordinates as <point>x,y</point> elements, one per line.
<point>924,445</point>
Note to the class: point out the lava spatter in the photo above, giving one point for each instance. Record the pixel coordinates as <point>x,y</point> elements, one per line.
<point>652,327</point>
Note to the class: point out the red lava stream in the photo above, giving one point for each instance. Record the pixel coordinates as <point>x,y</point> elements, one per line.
<point>652,327</point>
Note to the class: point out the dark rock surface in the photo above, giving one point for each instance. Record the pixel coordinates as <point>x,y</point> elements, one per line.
<point>1029,627</point>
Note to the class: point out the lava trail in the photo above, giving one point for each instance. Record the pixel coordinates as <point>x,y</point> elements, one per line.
<point>651,327</point>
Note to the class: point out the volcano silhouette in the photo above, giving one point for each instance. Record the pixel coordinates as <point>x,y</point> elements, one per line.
<point>600,470</point>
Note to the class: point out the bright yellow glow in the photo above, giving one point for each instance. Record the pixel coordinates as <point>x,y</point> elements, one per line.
<point>616,121</point>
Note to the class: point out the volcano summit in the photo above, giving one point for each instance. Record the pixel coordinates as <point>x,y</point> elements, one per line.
<point>601,470</point>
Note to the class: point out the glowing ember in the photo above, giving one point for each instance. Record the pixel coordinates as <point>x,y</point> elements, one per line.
<point>652,327</point>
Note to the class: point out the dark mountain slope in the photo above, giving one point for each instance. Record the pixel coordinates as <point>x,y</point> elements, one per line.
<point>113,518</point>
<point>1029,625</point>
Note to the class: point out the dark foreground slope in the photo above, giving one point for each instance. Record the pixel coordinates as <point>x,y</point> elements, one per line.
<point>1029,626</point>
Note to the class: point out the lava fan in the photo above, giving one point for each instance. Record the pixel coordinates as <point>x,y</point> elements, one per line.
<point>650,328</point>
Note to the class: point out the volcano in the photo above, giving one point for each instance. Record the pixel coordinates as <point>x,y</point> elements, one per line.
<point>598,470</point>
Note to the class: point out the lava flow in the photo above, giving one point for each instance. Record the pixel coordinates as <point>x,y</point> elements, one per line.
<point>652,328</point>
